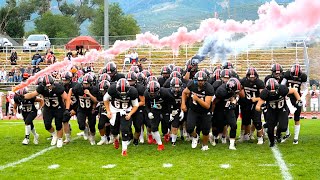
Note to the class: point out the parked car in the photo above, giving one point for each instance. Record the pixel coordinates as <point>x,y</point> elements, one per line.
<point>5,43</point>
<point>36,42</point>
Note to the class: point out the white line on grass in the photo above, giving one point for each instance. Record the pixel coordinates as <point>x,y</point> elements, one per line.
<point>167,165</point>
<point>54,166</point>
<point>283,167</point>
<point>109,166</point>
<point>225,166</point>
<point>30,157</point>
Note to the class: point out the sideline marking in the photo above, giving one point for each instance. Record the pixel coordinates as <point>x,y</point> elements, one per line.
<point>225,166</point>
<point>53,166</point>
<point>109,166</point>
<point>30,157</point>
<point>167,165</point>
<point>281,163</point>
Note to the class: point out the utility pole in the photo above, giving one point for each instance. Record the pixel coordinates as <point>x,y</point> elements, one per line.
<point>106,26</point>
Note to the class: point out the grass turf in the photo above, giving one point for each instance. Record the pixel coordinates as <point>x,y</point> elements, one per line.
<point>80,160</point>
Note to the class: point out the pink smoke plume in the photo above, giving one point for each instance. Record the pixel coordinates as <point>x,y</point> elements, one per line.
<point>298,16</point>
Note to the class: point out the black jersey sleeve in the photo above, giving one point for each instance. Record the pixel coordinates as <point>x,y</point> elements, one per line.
<point>260,84</point>
<point>59,89</point>
<point>140,89</point>
<point>94,91</point>
<point>16,100</point>
<point>304,77</point>
<point>286,75</point>
<point>133,93</point>
<point>221,92</point>
<point>209,89</point>
<point>40,89</point>
<point>283,90</point>
<point>264,94</point>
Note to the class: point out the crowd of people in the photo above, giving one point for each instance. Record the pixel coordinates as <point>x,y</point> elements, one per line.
<point>192,100</point>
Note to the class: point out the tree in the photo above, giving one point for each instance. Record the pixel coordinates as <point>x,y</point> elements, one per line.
<point>119,23</point>
<point>80,11</point>
<point>57,26</point>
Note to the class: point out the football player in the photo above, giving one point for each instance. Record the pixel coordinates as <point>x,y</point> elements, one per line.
<point>273,98</point>
<point>29,113</point>
<point>294,78</point>
<point>104,123</point>
<point>54,106</point>
<point>200,93</point>
<point>121,102</point>
<point>252,86</point>
<point>154,107</point>
<point>224,105</point>
<point>137,117</point>
<point>111,69</point>
<point>86,95</point>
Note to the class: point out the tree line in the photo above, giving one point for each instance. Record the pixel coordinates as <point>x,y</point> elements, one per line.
<point>66,20</point>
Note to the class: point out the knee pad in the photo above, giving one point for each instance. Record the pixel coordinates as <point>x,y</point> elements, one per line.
<point>258,125</point>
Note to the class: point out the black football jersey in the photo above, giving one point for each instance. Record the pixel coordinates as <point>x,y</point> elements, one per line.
<point>277,101</point>
<point>157,103</point>
<point>84,101</point>
<point>174,102</point>
<point>251,89</point>
<point>26,105</point>
<point>67,87</point>
<point>118,102</point>
<point>295,83</point>
<point>52,98</point>
<point>224,97</point>
<point>207,90</point>
<point>217,84</point>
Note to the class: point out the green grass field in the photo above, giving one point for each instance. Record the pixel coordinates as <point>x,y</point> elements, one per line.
<point>80,160</point>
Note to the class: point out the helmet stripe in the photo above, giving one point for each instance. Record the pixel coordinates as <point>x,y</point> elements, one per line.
<point>152,86</point>
<point>123,85</point>
<point>296,73</point>
<point>272,84</point>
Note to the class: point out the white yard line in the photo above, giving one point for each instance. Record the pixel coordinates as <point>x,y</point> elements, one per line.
<point>281,163</point>
<point>30,157</point>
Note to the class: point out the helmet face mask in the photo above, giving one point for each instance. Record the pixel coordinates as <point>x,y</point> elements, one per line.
<point>276,70</point>
<point>87,81</point>
<point>123,87</point>
<point>296,71</point>
<point>176,86</point>
<point>252,74</point>
<point>153,89</point>
<point>200,78</point>
<point>272,86</point>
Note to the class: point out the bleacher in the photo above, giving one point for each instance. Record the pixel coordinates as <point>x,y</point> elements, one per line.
<point>156,58</point>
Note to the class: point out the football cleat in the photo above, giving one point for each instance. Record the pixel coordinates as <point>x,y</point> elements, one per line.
<point>66,141</point>
<point>160,147</point>
<point>116,144</point>
<point>124,153</point>
<point>224,140</point>
<point>102,141</point>
<point>295,141</point>
<point>36,139</point>
<point>135,142</point>
<point>111,140</point>
<point>92,140</point>
<point>205,148</point>
<point>285,138</point>
<point>260,140</point>
<point>54,140</point>
<point>167,137</point>
<point>232,147</point>
<point>150,139</point>
<point>141,139</point>
<point>25,141</point>
<point>194,142</point>
<point>59,143</point>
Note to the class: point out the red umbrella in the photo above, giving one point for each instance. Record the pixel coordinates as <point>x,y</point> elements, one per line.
<point>86,41</point>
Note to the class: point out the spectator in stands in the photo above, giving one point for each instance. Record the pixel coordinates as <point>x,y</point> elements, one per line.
<point>3,75</point>
<point>50,58</point>
<point>11,75</point>
<point>13,57</point>
<point>79,50</point>
<point>134,57</point>
<point>69,54</point>
<point>22,69</point>
<point>36,59</point>
<point>17,75</point>
<point>28,69</point>
<point>36,69</point>
<point>127,57</point>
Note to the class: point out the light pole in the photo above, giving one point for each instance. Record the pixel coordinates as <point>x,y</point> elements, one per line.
<point>106,26</point>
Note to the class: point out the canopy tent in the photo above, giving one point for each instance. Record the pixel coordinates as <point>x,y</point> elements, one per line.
<point>85,42</point>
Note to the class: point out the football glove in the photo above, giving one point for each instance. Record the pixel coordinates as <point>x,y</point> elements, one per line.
<point>150,115</point>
